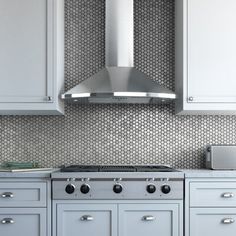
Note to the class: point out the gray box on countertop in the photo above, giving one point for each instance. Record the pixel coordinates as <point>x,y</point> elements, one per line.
<point>221,157</point>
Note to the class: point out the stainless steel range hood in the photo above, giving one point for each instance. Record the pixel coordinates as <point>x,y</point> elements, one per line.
<point>119,81</point>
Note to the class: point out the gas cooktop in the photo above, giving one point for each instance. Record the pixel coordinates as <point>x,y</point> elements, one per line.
<point>118,168</point>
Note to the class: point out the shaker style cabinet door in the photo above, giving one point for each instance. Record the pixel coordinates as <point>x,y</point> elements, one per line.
<point>31,56</point>
<point>86,220</point>
<point>149,219</point>
<point>212,221</point>
<point>206,56</point>
<point>23,222</point>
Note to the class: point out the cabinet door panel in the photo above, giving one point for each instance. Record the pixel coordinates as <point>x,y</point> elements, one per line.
<point>23,57</point>
<point>212,221</point>
<point>149,219</point>
<point>211,50</point>
<point>86,220</point>
<point>23,222</point>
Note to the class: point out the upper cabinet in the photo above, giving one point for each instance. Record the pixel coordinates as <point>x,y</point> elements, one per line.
<point>31,57</point>
<point>206,56</point>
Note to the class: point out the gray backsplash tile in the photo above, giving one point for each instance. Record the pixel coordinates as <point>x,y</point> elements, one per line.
<point>116,134</point>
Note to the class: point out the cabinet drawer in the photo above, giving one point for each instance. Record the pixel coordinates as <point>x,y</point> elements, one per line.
<point>212,194</point>
<point>23,221</point>
<point>149,219</point>
<point>211,221</point>
<point>28,194</point>
<point>86,219</point>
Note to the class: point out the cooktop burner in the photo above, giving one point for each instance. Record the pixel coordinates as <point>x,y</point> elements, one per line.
<point>117,168</point>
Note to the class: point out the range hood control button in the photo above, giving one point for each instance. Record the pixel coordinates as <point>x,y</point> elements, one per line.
<point>70,188</point>
<point>85,188</point>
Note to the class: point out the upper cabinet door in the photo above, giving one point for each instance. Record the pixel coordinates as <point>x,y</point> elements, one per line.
<point>206,56</point>
<point>31,58</point>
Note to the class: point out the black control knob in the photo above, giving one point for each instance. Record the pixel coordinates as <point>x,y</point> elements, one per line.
<point>85,188</point>
<point>117,188</point>
<point>151,188</point>
<point>70,188</point>
<point>165,189</point>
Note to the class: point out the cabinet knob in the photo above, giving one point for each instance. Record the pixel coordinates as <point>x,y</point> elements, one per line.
<point>227,195</point>
<point>228,221</point>
<point>148,218</point>
<point>190,99</point>
<point>7,221</point>
<point>86,218</point>
<point>49,98</point>
<point>7,195</point>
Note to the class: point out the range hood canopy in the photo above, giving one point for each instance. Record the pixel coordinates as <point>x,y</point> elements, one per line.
<point>119,81</point>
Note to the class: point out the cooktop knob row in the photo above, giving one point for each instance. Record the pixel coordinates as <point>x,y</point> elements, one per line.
<point>117,188</point>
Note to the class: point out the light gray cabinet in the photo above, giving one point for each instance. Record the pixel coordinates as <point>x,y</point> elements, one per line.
<point>117,218</point>
<point>25,207</point>
<point>149,219</point>
<point>205,56</point>
<point>23,221</point>
<point>210,207</point>
<point>86,220</point>
<point>31,58</point>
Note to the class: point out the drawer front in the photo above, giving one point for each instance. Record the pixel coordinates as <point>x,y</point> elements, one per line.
<point>26,194</point>
<point>149,219</point>
<point>212,194</point>
<point>86,220</point>
<point>23,222</point>
<point>211,221</point>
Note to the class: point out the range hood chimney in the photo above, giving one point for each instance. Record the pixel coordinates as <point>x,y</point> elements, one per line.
<point>119,81</point>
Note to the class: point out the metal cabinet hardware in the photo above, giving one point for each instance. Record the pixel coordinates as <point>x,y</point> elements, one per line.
<point>7,221</point>
<point>7,195</point>
<point>227,195</point>
<point>228,221</point>
<point>148,218</point>
<point>86,218</point>
<point>49,98</point>
<point>190,99</point>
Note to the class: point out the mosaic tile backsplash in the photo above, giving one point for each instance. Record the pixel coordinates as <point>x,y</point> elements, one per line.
<point>115,134</point>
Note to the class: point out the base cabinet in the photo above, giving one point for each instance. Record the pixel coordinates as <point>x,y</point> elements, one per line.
<point>117,219</point>
<point>215,222</point>
<point>91,220</point>
<point>210,206</point>
<point>151,220</point>
<point>23,221</point>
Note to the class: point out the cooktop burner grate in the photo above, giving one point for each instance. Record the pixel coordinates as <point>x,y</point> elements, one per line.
<point>117,168</point>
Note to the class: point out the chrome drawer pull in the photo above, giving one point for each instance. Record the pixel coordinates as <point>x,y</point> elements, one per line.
<point>86,218</point>
<point>7,221</point>
<point>148,218</point>
<point>227,195</point>
<point>7,195</point>
<point>228,221</point>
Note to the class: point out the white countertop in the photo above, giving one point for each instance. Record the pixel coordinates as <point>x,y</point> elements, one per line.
<point>33,174</point>
<point>205,173</point>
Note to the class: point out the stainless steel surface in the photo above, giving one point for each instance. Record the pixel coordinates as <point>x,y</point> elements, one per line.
<point>119,33</point>
<point>7,195</point>
<point>227,195</point>
<point>148,218</point>
<point>228,221</point>
<point>131,189</point>
<point>7,221</point>
<point>119,82</point>
<point>221,157</point>
<point>86,218</point>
